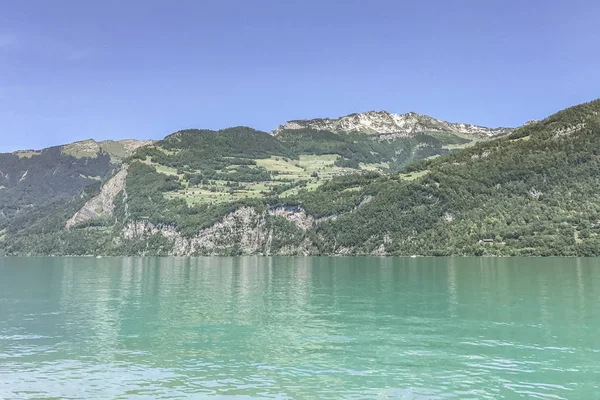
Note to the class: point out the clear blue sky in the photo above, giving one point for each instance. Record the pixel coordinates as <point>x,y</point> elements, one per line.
<point>72,70</point>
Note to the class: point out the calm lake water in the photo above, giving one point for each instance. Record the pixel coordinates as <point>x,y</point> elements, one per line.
<point>299,328</point>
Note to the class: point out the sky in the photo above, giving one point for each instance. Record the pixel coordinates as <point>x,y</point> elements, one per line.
<point>112,69</point>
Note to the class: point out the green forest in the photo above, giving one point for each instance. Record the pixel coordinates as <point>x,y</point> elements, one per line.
<point>534,192</point>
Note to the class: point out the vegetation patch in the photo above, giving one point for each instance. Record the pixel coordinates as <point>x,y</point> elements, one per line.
<point>83,149</point>
<point>533,192</point>
<point>27,153</point>
<point>411,176</point>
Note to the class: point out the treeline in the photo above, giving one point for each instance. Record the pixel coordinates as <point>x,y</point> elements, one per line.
<point>233,142</point>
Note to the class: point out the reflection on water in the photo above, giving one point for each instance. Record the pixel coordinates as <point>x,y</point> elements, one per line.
<point>299,327</point>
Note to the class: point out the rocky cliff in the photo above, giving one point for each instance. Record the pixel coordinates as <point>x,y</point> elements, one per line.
<point>102,205</point>
<point>244,231</point>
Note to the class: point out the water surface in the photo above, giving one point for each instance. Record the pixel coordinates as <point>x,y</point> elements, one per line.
<point>299,328</point>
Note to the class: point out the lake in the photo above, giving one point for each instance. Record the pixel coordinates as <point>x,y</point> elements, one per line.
<point>299,328</point>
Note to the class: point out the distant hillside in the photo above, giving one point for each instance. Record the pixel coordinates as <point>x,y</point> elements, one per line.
<point>117,150</point>
<point>35,178</point>
<point>533,191</point>
<point>385,123</point>
<point>382,137</point>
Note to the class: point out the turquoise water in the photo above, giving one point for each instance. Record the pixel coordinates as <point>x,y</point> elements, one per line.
<point>299,328</point>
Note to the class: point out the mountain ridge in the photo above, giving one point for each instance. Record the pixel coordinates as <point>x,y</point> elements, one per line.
<point>368,122</point>
<point>240,191</point>
<point>384,122</point>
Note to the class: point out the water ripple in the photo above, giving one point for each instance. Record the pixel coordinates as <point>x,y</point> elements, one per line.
<point>310,328</point>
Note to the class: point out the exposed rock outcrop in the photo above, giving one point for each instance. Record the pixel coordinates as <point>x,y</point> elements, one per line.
<point>244,229</point>
<point>101,206</point>
<point>383,122</point>
<point>295,214</point>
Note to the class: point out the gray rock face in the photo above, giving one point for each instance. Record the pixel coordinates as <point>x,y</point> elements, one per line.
<point>383,122</point>
<point>245,228</point>
<point>102,205</point>
<point>295,214</point>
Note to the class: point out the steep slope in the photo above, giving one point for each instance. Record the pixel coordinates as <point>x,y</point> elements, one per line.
<point>101,206</point>
<point>385,123</point>
<point>35,178</point>
<point>216,167</point>
<point>535,192</point>
<point>393,139</point>
<point>241,191</point>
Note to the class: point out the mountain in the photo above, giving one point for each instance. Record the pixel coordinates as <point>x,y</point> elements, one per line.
<point>533,191</point>
<point>36,178</point>
<point>385,123</point>
<point>393,140</point>
<point>116,149</point>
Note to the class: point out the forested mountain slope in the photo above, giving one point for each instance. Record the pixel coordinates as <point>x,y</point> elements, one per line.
<point>535,192</point>
<point>37,178</point>
<point>394,140</point>
<point>309,191</point>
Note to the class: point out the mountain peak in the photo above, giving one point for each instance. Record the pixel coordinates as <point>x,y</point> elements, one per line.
<point>90,148</point>
<point>385,123</point>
